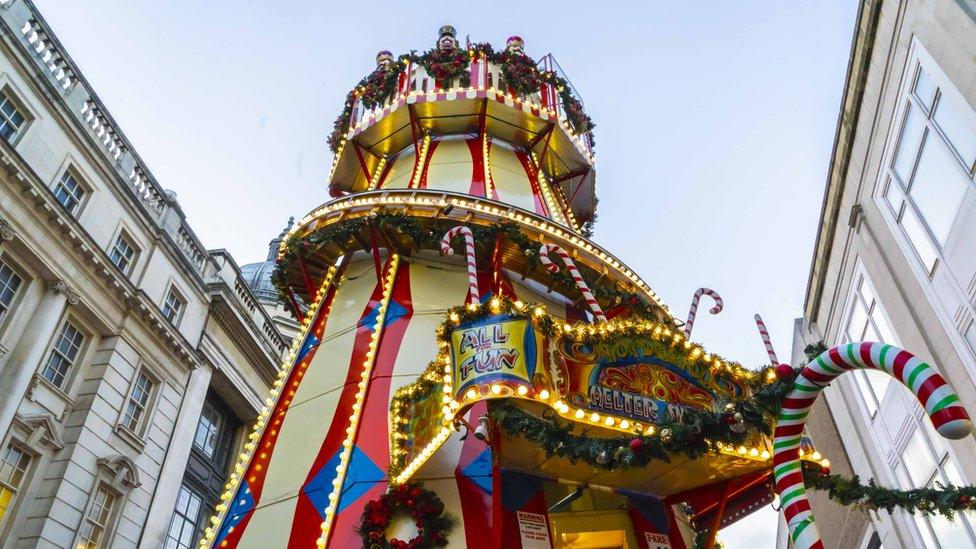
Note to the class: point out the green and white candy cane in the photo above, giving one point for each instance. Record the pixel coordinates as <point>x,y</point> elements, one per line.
<point>940,401</point>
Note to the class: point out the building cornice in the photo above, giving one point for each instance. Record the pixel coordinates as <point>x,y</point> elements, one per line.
<point>850,109</point>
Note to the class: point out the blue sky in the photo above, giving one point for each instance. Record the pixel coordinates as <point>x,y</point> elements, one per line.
<point>715,123</point>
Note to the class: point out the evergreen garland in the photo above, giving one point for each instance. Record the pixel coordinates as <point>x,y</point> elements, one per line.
<point>520,72</point>
<point>428,237</point>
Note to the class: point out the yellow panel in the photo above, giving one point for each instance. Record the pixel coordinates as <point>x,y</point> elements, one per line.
<point>270,526</point>
<point>505,159</point>
<point>450,167</point>
<point>438,284</point>
<point>513,188</point>
<point>399,174</point>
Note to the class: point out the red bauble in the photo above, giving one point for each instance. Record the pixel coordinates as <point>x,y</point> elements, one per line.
<point>784,371</point>
<point>965,500</point>
<point>730,419</point>
<point>636,444</point>
<point>825,470</point>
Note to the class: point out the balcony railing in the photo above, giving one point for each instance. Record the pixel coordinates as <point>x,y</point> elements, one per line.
<point>483,75</point>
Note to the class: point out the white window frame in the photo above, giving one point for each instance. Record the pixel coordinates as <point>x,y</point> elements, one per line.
<point>8,313</point>
<point>146,409</point>
<point>180,298</point>
<point>917,54</point>
<point>172,543</point>
<point>123,236</point>
<point>16,99</point>
<point>22,487</point>
<point>73,364</point>
<point>81,184</point>
<point>108,527</point>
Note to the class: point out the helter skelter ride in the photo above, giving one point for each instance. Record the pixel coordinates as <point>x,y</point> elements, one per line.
<point>475,372</point>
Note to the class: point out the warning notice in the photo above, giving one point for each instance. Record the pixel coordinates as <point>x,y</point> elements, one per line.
<point>534,530</point>
<point>657,541</point>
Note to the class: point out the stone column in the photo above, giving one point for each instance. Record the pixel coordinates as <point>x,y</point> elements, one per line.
<point>29,351</point>
<point>174,464</point>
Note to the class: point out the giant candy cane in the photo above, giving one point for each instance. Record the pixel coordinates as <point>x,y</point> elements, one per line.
<point>473,293</point>
<point>574,272</point>
<point>940,401</point>
<point>764,334</point>
<point>694,307</point>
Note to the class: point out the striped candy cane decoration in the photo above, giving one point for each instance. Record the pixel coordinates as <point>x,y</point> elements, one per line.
<point>473,293</point>
<point>764,334</point>
<point>694,307</point>
<point>553,268</point>
<point>940,401</point>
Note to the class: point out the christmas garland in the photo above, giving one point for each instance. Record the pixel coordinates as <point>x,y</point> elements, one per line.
<point>519,70</point>
<point>426,509</point>
<point>428,237</point>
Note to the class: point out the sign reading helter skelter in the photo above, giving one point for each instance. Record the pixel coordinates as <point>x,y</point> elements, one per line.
<point>563,364</point>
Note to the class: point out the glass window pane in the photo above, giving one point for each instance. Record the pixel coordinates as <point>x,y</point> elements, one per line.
<point>958,122</point>
<point>919,237</point>
<point>950,534</point>
<point>938,188</point>
<point>879,382</point>
<point>859,318</point>
<point>911,138</point>
<point>867,393</point>
<point>918,459</point>
<point>925,89</point>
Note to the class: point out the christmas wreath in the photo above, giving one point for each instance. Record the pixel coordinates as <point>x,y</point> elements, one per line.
<point>445,65</point>
<point>379,85</point>
<point>426,509</point>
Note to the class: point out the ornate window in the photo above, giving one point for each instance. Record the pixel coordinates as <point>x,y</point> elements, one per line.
<point>184,527</point>
<point>10,282</point>
<point>69,192</point>
<point>94,527</point>
<point>122,253</point>
<point>63,354</point>
<point>12,118</point>
<point>14,466</point>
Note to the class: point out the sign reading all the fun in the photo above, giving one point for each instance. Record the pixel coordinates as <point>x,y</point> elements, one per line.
<point>493,351</point>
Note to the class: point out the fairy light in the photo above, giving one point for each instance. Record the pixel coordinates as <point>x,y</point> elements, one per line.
<point>357,406</point>
<point>486,160</point>
<point>335,211</point>
<point>558,208</point>
<point>271,404</point>
<point>421,162</point>
<point>377,174</point>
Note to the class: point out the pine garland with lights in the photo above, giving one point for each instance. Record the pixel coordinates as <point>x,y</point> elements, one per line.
<point>943,500</point>
<point>428,237</point>
<point>520,72</point>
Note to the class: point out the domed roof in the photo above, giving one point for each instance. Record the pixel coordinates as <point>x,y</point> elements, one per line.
<point>257,276</point>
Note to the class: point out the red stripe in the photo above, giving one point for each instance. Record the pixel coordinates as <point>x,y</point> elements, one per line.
<point>948,414</point>
<point>430,154</point>
<point>796,508</point>
<point>788,430</point>
<point>813,375</point>
<point>928,387</point>
<point>901,359</point>
<point>789,480</point>
<point>477,167</point>
<point>865,352</point>
<point>794,403</point>
<point>540,204</point>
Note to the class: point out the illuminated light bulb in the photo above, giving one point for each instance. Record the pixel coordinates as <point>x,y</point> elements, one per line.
<point>609,422</point>
<point>471,394</point>
<point>825,463</point>
<point>594,417</point>
<point>764,455</point>
<point>496,388</point>
<point>543,395</point>
<point>816,456</point>
<point>580,414</point>
<point>523,390</point>
<point>741,450</point>
<point>754,452</point>
<point>624,424</point>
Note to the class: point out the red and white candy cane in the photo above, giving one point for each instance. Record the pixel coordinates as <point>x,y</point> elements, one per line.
<point>473,294</point>
<point>940,401</point>
<point>574,272</point>
<point>694,307</point>
<point>764,334</point>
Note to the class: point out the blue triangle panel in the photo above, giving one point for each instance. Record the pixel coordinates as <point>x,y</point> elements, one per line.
<point>242,505</point>
<point>361,475</point>
<point>318,489</point>
<point>479,470</point>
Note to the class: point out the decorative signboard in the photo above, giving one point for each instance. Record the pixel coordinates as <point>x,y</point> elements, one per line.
<point>496,350</point>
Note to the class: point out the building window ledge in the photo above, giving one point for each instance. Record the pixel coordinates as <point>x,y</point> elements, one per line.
<point>133,439</point>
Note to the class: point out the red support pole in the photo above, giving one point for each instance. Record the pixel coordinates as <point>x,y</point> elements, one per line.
<point>294,305</point>
<point>718,516</point>
<point>308,280</point>
<point>374,242</point>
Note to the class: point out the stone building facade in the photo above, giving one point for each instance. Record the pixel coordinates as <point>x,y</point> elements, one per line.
<point>131,357</point>
<point>895,261</point>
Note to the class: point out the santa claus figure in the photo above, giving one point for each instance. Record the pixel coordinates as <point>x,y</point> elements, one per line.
<point>447,40</point>
<point>515,45</point>
<point>384,59</point>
